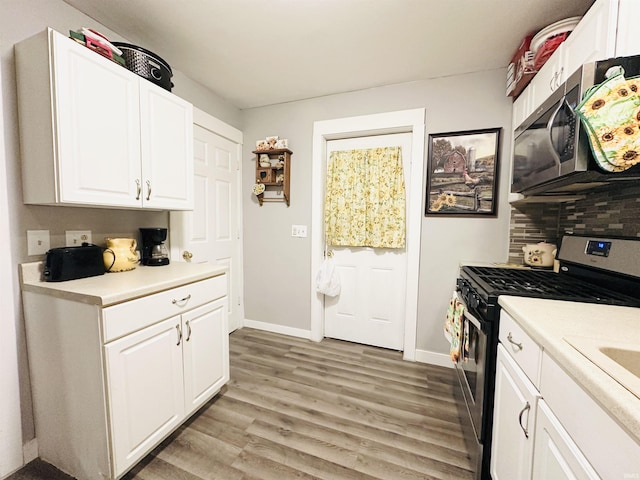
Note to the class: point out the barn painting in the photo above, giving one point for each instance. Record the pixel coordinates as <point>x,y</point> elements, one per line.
<point>462,173</point>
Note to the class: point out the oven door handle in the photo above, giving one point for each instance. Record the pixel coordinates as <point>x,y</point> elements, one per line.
<point>477,323</point>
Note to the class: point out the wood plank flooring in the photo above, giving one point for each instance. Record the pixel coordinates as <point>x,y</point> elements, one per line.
<point>296,409</point>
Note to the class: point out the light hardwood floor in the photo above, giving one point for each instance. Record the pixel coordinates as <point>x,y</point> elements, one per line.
<point>296,409</point>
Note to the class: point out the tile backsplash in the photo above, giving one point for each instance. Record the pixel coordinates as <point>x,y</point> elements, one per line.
<point>608,211</point>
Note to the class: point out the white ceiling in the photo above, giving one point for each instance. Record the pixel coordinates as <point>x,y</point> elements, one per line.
<point>263,52</point>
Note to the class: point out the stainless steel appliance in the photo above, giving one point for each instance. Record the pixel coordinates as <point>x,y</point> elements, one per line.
<point>551,151</point>
<point>154,251</point>
<point>592,270</point>
<point>70,263</point>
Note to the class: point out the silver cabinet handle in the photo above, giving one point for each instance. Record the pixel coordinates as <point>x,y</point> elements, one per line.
<point>182,300</point>
<point>179,334</point>
<point>188,331</point>
<point>148,189</point>
<point>512,342</point>
<point>138,189</point>
<point>526,408</point>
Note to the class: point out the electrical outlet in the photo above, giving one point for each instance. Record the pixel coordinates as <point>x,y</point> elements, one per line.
<point>299,231</point>
<point>75,238</point>
<point>38,242</point>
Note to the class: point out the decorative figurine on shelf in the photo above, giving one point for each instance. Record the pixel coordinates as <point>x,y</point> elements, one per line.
<point>272,142</point>
<point>280,178</point>
<point>265,161</point>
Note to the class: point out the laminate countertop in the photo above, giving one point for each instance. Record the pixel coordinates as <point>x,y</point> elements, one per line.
<point>549,322</point>
<point>112,288</point>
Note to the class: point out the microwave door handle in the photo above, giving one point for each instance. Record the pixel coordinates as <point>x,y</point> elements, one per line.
<point>556,155</point>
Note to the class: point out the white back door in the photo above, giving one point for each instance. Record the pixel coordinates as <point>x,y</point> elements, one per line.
<point>371,306</point>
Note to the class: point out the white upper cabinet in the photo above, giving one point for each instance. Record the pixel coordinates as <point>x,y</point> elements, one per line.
<point>95,134</point>
<point>628,37</point>
<point>594,38</point>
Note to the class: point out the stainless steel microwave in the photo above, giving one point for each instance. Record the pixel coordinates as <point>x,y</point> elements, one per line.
<point>551,153</point>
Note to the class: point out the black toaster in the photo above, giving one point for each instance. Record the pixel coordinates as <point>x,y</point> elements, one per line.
<point>70,263</point>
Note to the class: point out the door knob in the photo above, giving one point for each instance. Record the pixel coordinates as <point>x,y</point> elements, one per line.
<point>187,255</point>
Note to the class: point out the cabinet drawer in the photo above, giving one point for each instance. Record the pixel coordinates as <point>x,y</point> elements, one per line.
<point>521,347</point>
<point>131,316</point>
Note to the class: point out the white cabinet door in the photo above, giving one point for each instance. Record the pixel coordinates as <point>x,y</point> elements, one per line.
<point>145,390</point>
<point>628,38</point>
<point>546,81</point>
<point>167,149</point>
<point>206,352</point>
<point>521,109</point>
<point>98,127</point>
<point>593,39</point>
<point>556,455</point>
<point>514,420</point>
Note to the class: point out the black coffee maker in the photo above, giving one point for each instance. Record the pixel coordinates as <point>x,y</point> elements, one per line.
<point>154,251</point>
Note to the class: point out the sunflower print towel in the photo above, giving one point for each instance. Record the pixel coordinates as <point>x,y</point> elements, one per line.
<point>610,114</point>
<point>456,331</point>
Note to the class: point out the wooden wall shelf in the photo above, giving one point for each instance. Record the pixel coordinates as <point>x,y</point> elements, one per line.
<point>276,177</point>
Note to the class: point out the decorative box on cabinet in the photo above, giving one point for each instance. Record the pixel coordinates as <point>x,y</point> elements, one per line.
<point>277,177</point>
<point>95,134</point>
<point>110,383</point>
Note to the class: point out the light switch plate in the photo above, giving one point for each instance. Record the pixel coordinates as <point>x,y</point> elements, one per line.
<point>75,238</point>
<point>299,231</point>
<point>38,242</point>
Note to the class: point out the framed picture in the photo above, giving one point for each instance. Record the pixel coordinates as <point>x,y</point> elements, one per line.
<point>462,173</point>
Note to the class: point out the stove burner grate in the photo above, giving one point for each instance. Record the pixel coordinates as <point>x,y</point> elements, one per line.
<point>543,284</point>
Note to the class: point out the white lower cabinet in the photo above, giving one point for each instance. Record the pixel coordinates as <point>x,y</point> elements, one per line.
<point>515,407</point>
<point>161,374</point>
<point>556,455</point>
<point>109,384</point>
<point>529,442</point>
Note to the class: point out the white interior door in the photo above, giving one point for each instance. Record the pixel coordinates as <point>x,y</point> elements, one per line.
<point>371,306</point>
<point>211,232</point>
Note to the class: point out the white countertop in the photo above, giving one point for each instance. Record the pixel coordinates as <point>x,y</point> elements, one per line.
<point>112,288</point>
<point>548,322</point>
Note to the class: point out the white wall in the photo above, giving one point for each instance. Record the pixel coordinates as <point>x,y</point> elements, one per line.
<point>277,266</point>
<point>20,19</point>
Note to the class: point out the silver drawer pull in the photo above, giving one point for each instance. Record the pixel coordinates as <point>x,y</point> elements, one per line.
<point>182,300</point>
<point>511,341</point>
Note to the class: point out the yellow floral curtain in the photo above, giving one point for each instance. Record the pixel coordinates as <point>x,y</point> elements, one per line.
<point>365,198</point>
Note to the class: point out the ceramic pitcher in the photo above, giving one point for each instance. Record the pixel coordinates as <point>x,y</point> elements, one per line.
<point>120,255</point>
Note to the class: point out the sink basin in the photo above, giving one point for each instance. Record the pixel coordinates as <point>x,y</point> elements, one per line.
<point>620,360</point>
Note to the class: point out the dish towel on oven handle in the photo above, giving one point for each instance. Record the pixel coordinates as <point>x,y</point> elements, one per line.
<point>456,330</point>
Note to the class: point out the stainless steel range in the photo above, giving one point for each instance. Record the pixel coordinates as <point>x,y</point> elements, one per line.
<point>592,270</point>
